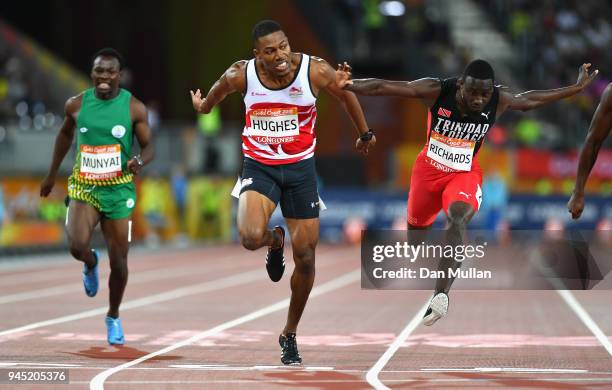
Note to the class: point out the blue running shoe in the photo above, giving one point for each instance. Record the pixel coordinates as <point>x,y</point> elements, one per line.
<point>90,277</point>
<point>114,332</point>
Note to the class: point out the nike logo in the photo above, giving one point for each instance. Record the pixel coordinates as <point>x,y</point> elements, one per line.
<point>485,115</point>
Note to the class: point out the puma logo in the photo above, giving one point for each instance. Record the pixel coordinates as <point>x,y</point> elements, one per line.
<point>464,194</point>
<point>485,115</point>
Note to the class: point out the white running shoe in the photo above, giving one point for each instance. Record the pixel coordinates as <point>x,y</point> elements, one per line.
<point>438,307</point>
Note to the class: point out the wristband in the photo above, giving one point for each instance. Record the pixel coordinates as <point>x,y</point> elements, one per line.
<point>365,137</point>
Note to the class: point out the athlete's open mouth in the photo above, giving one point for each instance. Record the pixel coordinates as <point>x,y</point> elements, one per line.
<point>281,67</point>
<point>103,85</point>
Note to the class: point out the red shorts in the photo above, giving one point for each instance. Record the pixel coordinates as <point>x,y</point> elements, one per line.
<point>432,190</point>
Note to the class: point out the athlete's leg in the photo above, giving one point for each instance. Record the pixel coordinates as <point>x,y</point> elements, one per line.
<point>424,204</point>
<point>461,199</point>
<point>424,197</point>
<point>459,214</point>
<point>254,212</point>
<point>82,219</point>
<point>304,238</point>
<point>116,233</point>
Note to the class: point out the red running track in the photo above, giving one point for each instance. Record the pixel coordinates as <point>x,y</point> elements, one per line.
<point>210,318</point>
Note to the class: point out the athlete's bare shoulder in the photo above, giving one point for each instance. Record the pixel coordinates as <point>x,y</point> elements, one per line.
<point>321,72</point>
<point>138,110</point>
<point>73,105</point>
<point>606,98</point>
<point>236,70</point>
<point>235,75</point>
<point>319,65</point>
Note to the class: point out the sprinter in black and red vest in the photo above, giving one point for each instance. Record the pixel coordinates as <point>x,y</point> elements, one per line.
<point>446,175</point>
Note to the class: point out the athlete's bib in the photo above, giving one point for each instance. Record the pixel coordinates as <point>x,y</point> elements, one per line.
<point>273,126</point>
<point>100,162</point>
<point>453,153</point>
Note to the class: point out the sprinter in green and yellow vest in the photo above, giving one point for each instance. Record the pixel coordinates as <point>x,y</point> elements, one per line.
<point>106,118</point>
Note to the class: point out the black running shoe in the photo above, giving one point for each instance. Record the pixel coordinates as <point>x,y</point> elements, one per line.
<point>275,259</point>
<point>289,353</point>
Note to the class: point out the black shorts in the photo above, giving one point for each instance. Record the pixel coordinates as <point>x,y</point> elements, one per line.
<point>294,185</point>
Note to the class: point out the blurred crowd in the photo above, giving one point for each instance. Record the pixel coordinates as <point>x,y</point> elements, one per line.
<point>33,84</point>
<point>552,38</point>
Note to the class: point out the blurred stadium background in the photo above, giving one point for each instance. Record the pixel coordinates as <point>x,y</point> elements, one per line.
<point>530,158</point>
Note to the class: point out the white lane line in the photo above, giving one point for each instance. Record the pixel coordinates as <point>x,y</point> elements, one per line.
<point>586,319</point>
<point>226,367</point>
<point>15,280</point>
<point>509,369</point>
<point>47,268</point>
<point>291,382</point>
<point>13,364</point>
<point>372,375</point>
<point>139,277</point>
<point>217,284</point>
<point>204,367</point>
<point>97,383</point>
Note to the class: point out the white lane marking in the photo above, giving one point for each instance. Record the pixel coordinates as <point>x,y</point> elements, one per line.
<point>97,383</point>
<point>139,277</point>
<point>372,375</point>
<point>508,369</point>
<point>13,364</point>
<point>226,367</point>
<point>203,367</point>
<point>572,302</point>
<point>292,381</point>
<point>217,284</point>
<point>586,319</point>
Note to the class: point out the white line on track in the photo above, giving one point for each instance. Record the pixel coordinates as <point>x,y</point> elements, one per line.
<point>227,367</point>
<point>97,382</point>
<point>13,364</point>
<point>586,319</point>
<point>508,369</point>
<point>205,367</point>
<point>217,284</point>
<point>139,277</point>
<point>291,382</point>
<point>372,375</point>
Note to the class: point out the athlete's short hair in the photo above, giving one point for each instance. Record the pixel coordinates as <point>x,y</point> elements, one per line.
<point>109,52</point>
<point>479,69</point>
<point>265,27</point>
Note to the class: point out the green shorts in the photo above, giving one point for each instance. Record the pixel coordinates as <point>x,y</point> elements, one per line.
<point>113,202</point>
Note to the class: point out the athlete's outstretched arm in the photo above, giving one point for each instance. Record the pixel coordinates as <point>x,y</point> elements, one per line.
<point>63,141</point>
<point>600,128</point>
<point>143,135</point>
<point>426,88</point>
<point>231,81</point>
<point>324,77</point>
<point>533,99</point>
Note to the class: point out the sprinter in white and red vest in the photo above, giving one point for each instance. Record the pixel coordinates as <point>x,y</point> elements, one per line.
<point>280,89</point>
